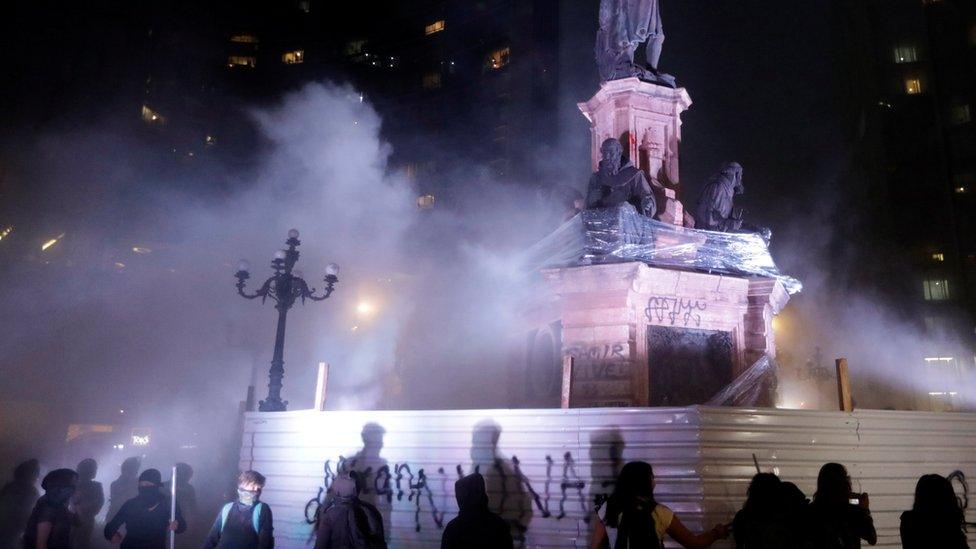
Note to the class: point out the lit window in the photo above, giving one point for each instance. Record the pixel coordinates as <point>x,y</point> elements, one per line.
<point>962,182</point>
<point>905,54</point>
<point>499,58</point>
<point>913,86</point>
<point>305,6</point>
<point>961,190</point>
<point>151,116</point>
<point>425,202</point>
<point>432,80</point>
<point>242,61</point>
<point>436,26</point>
<point>938,256</point>
<point>244,39</point>
<point>6,232</point>
<point>936,289</point>
<point>293,57</point>
<point>960,114</point>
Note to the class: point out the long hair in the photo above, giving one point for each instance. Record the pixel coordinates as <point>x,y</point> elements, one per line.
<point>935,500</point>
<point>833,486</point>
<point>630,507</point>
<point>763,493</point>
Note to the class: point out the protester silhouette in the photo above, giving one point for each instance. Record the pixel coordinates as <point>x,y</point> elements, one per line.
<point>763,520</point>
<point>17,499</point>
<point>87,502</point>
<point>125,487</point>
<point>347,522</point>
<point>373,475</point>
<point>794,513</point>
<point>507,496</point>
<point>936,519</point>
<point>632,517</point>
<point>837,523</point>
<point>50,523</point>
<point>146,517</point>
<point>475,527</point>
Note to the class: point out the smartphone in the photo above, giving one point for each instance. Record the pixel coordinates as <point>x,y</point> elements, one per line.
<point>855,500</point>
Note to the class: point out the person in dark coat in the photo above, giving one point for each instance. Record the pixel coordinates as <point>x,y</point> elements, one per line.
<point>125,487</point>
<point>836,522</point>
<point>49,525</point>
<point>146,517</point>
<point>936,519</point>
<point>475,527</point>
<point>86,503</point>
<point>17,499</point>
<point>246,523</point>
<point>347,522</point>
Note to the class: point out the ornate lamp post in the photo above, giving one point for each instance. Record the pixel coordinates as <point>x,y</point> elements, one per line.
<point>283,287</point>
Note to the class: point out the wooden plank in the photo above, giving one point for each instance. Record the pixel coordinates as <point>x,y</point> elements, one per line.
<point>567,381</point>
<point>843,386</point>
<point>321,386</point>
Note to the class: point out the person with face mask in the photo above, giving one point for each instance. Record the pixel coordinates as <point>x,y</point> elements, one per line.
<point>49,526</point>
<point>245,523</point>
<point>146,517</point>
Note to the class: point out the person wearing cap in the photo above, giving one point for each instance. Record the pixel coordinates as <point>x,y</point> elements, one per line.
<point>246,523</point>
<point>347,522</point>
<point>475,526</point>
<point>49,526</point>
<point>146,517</point>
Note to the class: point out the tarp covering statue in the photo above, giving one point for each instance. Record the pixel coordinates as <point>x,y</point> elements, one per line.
<point>624,26</point>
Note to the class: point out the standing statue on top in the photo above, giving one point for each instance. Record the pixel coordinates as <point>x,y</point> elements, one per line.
<point>715,210</point>
<point>625,25</point>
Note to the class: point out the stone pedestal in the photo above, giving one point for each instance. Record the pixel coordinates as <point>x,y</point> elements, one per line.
<point>646,119</point>
<point>647,336</point>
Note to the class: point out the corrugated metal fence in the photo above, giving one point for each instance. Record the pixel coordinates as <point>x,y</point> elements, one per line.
<point>545,467</point>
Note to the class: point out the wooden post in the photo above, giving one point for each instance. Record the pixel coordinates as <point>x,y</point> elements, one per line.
<point>567,380</point>
<point>843,386</point>
<point>321,386</point>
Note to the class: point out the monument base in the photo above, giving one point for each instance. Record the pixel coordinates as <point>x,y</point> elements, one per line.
<point>651,336</point>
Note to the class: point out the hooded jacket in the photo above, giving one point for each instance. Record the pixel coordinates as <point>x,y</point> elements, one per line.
<point>475,527</point>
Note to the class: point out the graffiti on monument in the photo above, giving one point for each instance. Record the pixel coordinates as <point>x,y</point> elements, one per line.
<point>602,374</point>
<point>675,311</point>
<point>416,489</point>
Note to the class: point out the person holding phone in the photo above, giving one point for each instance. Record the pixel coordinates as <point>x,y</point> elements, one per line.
<point>841,518</point>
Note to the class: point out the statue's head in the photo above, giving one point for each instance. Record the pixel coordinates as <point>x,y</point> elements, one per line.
<point>612,153</point>
<point>733,171</point>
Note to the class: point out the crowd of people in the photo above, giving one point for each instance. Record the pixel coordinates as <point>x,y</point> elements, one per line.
<point>776,514</point>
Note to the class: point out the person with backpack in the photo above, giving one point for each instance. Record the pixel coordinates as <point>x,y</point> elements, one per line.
<point>347,522</point>
<point>631,518</point>
<point>246,523</point>
<point>146,517</point>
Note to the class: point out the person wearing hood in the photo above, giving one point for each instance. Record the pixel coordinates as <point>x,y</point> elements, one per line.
<point>17,499</point>
<point>49,525</point>
<point>475,527</point>
<point>146,517</point>
<point>246,523</point>
<point>346,522</point>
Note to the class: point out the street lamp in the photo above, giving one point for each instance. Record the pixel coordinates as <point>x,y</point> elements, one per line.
<point>283,287</point>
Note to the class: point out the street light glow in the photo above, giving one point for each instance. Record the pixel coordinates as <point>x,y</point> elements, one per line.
<point>364,308</point>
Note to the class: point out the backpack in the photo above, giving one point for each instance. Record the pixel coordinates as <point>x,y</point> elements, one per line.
<point>255,516</point>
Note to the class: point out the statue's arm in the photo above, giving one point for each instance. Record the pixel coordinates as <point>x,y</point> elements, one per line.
<point>648,204</point>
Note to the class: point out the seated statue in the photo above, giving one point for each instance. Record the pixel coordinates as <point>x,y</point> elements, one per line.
<point>715,211</point>
<point>617,181</point>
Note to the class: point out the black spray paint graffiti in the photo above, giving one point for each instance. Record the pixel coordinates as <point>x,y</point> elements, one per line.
<point>674,310</point>
<point>598,352</point>
<point>418,489</point>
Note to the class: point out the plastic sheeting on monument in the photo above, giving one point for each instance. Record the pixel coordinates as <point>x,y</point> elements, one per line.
<point>621,234</point>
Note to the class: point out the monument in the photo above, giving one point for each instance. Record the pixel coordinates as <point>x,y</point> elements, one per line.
<point>653,311</point>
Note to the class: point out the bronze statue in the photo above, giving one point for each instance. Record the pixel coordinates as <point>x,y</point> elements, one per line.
<point>625,25</point>
<point>617,181</point>
<point>715,210</point>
